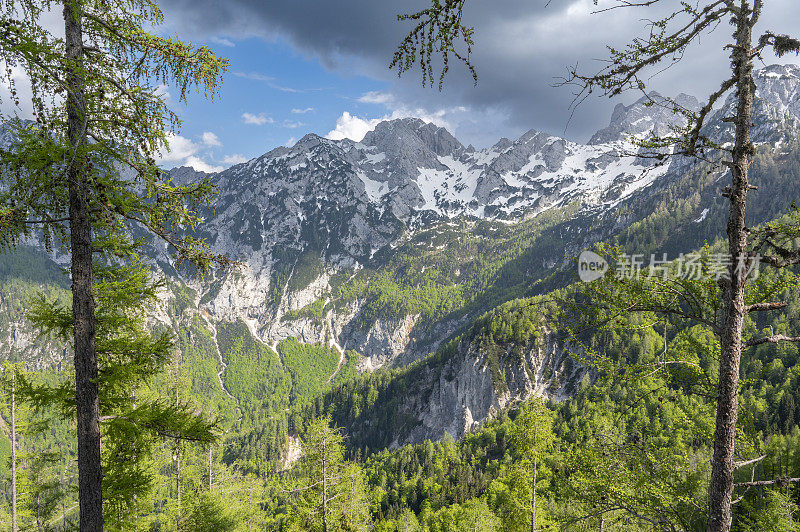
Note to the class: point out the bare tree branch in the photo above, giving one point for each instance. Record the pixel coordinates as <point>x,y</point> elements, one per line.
<point>760,307</point>
<point>780,481</point>
<point>774,339</point>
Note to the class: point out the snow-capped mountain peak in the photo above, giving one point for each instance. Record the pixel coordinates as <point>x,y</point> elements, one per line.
<point>391,136</point>
<point>351,198</point>
<point>649,114</point>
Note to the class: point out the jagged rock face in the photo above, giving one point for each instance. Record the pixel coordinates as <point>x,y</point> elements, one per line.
<point>650,115</point>
<point>347,199</point>
<point>22,342</point>
<point>418,170</point>
<point>776,108</point>
<point>308,196</point>
<point>383,342</point>
<point>467,391</point>
<point>777,105</point>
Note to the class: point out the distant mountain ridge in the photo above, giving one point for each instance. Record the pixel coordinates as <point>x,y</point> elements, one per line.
<point>392,246</point>
<point>343,205</point>
<point>418,171</point>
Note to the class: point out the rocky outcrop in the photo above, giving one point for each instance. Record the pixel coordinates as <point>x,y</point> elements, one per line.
<point>292,452</point>
<point>652,114</point>
<point>776,109</point>
<point>478,383</point>
<point>383,342</point>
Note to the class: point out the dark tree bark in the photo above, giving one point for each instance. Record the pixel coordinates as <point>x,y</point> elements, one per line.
<point>90,492</point>
<point>38,512</point>
<point>722,467</point>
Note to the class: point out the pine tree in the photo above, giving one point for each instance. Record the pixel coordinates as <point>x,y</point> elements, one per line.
<point>332,493</point>
<point>533,437</point>
<point>45,491</point>
<point>36,489</point>
<point>84,172</point>
<point>134,415</point>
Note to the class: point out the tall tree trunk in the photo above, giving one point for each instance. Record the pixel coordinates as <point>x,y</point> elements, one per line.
<point>14,527</point>
<point>721,488</point>
<point>250,519</point>
<point>177,456</point>
<point>324,490</point>
<point>178,483</point>
<point>90,477</point>
<point>38,512</point>
<point>533,499</point>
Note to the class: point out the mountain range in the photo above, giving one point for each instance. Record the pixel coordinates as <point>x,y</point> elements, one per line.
<point>389,249</point>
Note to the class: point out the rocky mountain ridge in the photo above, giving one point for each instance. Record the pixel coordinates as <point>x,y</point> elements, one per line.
<point>325,229</point>
<point>344,205</point>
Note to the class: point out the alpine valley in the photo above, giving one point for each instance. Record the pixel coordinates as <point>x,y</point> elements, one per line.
<point>400,284</point>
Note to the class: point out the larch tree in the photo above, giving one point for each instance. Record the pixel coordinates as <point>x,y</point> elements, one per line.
<point>514,495</point>
<point>82,174</point>
<point>533,437</point>
<point>134,413</point>
<point>331,494</point>
<point>36,489</point>
<point>354,512</point>
<point>8,381</point>
<point>440,31</point>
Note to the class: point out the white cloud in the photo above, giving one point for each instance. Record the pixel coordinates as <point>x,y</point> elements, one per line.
<point>269,80</point>
<point>202,166</point>
<point>468,123</point>
<point>352,127</point>
<point>185,152</point>
<point>180,148</point>
<point>254,76</point>
<point>262,118</point>
<point>234,158</point>
<point>210,139</point>
<point>222,41</point>
<point>291,142</point>
<point>440,117</point>
<point>376,97</point>
<point>163,91</point>
<point>258,120</point>
<point>302,111</point>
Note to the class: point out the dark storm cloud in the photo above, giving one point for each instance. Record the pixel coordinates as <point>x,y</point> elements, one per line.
<point>522,47</point>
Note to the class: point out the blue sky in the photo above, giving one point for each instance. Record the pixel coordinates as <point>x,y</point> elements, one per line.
<point>301,66</point>
<point>271,96</point>
<point>330,59</point>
